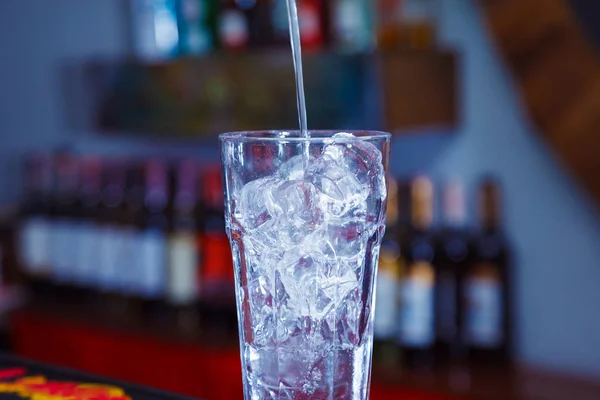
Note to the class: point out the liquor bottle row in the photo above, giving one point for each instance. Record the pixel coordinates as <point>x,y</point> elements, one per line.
<point>165,29</point>
<point>148,229</point>
<point>443,294</point>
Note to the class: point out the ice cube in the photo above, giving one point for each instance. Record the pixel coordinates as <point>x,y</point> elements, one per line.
<point>319,244</point>
<point>259,292</point>
<point>343,135</point>
<point>337,287</point>
<point>339,190</point>
<point>315,287</point>
<point>297,275</point>
<point>289,319</point>
<point>362,158</point>
<point>303,280</point>
<point>296,211</point>
<point>263,327</point>
<point>293,169</point>
<point>263,366</point>
<point>259,259</point>
<point>254,199</point>
<point>341,240</point>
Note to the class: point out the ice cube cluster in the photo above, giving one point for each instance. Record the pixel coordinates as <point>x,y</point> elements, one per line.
<point>306,236</point>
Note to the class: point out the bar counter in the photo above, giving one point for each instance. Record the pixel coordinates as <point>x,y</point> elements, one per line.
<point>207,365</point>
<point>25,379</point>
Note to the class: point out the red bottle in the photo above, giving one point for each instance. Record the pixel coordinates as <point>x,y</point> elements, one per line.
<point>312,16</point>
<point>217,269</point>
<point>234,25</point>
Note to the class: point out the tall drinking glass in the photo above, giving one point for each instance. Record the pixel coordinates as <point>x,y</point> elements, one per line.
<point>305,218</point>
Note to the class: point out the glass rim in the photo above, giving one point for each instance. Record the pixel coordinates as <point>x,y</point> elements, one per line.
<point>293,136</point>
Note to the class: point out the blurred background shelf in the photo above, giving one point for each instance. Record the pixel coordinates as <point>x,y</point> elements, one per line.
<point>200,97</point>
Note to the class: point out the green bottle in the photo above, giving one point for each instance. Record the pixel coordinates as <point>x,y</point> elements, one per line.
<point>197,23</point>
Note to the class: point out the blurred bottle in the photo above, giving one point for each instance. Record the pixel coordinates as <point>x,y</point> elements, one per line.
<point>197,20</point>
<point>217,270</point>
<point>453,256</point>
<point>403,230</point>
<point>385,348</point>
<point>279,23</point>
<point>153,239</point>
<point>34,228</point>
<point>418,22</point>
<point>111,238</point>
<point>155,33</point>
<point>9,275</point>
<point>234,24</point>
<point>417,318</point>
<point>261,19</point>
<point>312,17</point>
<point>217,274</point>
<point>64,222</point>
<point>87,237</point>
<point>352,24</point>
<point>485,287</point>
<point>259,24</point>
<point>132,227</point>
<point>407,24</point>
<point>268,23</point>
<point>184,251</point>
<point>389,24</point>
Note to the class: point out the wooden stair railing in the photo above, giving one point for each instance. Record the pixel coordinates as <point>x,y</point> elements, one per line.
<point>557,70</point>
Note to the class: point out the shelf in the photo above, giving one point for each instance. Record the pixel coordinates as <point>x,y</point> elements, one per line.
<point>80,338</point>
<point>225,92</point>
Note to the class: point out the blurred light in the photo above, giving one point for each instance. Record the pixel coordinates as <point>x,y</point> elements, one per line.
<point>166,34</point>
<point>246,4</point>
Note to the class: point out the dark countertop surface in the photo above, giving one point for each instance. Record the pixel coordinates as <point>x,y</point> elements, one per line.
<point>25,379</point>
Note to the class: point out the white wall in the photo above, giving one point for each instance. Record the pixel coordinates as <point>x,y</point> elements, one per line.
<point>555,231</point>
